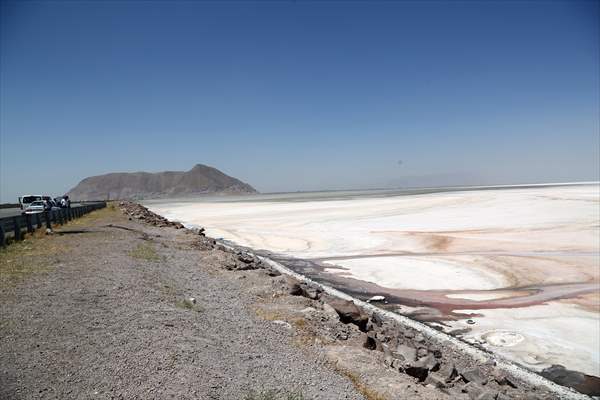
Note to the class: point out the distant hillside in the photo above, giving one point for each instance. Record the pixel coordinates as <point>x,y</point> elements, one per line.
<point>201,179</point>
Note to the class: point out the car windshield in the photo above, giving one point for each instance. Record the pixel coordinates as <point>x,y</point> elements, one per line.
<point>30,199</point>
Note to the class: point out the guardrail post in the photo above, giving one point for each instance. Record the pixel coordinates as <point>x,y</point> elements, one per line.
<point>28,223</point>
<point>2,236</point>
<point>48,216</point>
<point>69,216</point>
<point>17,228</point>
<point>61,216</point>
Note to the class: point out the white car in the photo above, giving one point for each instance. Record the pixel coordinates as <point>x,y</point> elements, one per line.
<point>35,207</point>
<point>26,200</point>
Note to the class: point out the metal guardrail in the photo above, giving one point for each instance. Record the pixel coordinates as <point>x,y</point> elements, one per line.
<point>19,224</point>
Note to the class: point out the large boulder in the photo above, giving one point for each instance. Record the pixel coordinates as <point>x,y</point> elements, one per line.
<point>584,383</point>
<point>350,313</point>
<point>306,290</point>
<point>473,375</point>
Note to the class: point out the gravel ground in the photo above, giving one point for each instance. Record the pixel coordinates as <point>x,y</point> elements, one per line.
<point>100,313</point>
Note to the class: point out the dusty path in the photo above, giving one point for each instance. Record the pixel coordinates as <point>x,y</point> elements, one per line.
<point>99,313</point>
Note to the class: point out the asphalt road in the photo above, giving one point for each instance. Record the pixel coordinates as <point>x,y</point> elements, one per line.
<point>9,212</point>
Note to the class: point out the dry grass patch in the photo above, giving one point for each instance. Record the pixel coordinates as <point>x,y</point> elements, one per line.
<point>305,333</point>
<point>274,395</point>
<point>34,254</point>
<point>109,212</point>
<point>270,315</point>
<point>38,251</point>
<point>362,388</point>
<point>145,251</point>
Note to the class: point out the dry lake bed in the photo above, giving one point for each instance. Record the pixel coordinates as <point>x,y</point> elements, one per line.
<point>512,269</point>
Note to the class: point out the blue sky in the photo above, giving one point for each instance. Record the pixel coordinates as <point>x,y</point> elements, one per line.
<point>300,95</point>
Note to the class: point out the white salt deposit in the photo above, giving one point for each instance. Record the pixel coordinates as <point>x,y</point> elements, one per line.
<point>420,274</point>
<point>539,336</point>
<point>470,240</point>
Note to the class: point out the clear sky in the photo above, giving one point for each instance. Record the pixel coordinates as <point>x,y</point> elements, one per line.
<point>300,95</point>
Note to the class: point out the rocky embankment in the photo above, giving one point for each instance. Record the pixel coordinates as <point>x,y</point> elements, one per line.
<point>141,213</point>
<point>345,331</point>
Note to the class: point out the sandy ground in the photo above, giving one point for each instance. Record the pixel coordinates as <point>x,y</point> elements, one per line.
<point>457,244</point>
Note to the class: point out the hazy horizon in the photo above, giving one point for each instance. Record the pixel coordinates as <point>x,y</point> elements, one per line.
<point>300,96</point>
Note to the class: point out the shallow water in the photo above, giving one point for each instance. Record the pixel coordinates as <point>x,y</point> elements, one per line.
<point>520,262</point>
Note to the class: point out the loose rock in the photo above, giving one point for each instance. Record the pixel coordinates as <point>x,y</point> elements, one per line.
<point>350,313</point>
<point>406,353</point>
<point>435,380</point>
<point>376,299</point>
<point>473,375</point>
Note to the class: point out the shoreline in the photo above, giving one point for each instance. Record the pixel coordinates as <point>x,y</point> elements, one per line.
<point>479,354</point>
<point>432,256</point>
<point>392,191</point>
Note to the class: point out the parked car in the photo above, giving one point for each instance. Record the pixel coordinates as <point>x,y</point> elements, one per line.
<point>35,207</point>
<point>63,202</point>
<point>26,200</point>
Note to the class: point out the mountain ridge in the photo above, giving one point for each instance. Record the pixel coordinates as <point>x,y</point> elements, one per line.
<point>201,179</point>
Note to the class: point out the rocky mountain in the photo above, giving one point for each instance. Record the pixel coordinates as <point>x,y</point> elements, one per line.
<point>200,180</point>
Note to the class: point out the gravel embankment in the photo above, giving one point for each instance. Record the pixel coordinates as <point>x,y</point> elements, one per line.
<point>109,319</point>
